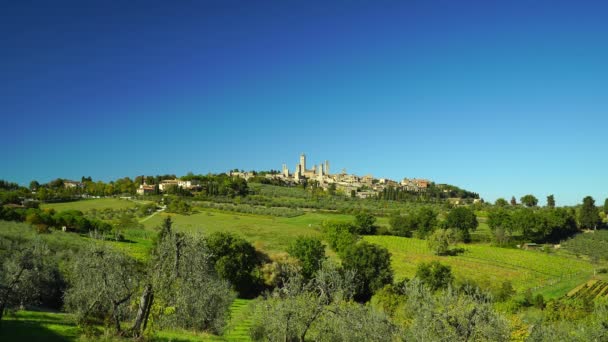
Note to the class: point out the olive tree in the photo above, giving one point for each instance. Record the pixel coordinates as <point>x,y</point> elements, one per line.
<point>451,316</point>
<point>320,309</point>
<point>103,281</point>
<point>24,273</point>
<point>182,289</point>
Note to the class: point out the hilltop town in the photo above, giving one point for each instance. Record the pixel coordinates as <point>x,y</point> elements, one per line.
<point>362,186</point>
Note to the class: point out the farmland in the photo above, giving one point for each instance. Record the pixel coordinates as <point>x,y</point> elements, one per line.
<point>98,204</point>
<point>488,265</point>
<point>271,234</point>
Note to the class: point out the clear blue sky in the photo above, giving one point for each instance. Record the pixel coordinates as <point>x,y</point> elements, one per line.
<point>499,97</point>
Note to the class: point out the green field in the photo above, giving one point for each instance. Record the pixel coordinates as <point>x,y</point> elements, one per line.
<point>98,203</point>
<point>33,326</point>
<point>486,264</point>
<point>271,234</point>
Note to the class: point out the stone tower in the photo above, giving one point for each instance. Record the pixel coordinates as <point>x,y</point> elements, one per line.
<point>327,167</point>
<point>303,162</point>
<point>285,171</point>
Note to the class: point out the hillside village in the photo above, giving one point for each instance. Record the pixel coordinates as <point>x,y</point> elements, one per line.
<point>363,186</point>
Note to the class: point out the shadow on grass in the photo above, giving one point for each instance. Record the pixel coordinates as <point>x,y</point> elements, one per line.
<point>31,331</point>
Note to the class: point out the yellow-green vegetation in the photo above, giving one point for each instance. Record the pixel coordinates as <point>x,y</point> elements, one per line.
<point>98,203</point>
<point>38,326</point>
<point>592,289</point>
<point>271,234</point>
<point>486,264</point>
<point>33,326</point>
<point>240,321</point>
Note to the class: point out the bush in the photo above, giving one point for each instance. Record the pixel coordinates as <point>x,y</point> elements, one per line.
<point>435,275</point>
<point>372,266</point>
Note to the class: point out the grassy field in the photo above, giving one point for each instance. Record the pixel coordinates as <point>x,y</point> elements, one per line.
<point>485,264</point>
<point>33,326</point>
<point>271,234</point>
<point>98,203</point>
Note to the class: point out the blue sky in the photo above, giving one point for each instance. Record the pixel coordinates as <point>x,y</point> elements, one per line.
<point>499,97</point>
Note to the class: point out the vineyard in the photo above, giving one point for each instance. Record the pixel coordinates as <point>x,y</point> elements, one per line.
<point>486,264</point>
<point>593,289</point>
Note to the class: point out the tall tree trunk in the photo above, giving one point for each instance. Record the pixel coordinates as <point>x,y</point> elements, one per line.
<point>145,303</point>
<point>116,318</point>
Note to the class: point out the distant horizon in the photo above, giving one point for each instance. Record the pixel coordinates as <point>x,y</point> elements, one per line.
<point>541,198</point>
<point>503,99</point>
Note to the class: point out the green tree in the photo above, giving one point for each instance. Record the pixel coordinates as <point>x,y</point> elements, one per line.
<point>551,201</point>
<point>606,206</point>
<point>513,201</point>
<point>364,222</point>
<point>499,221</point>
<point>463,220</point>
<point>402,225</point>
<point>589,216</point>
<point>340,236</point>
<point>23,274</point>
<point>529,200</point>
<point>451,316</point>
<point>234,259</point>
<point>34,185</point>
<point>102,284</point>
<point>501,202</point>
<point>372,266</point>
<point>439,242</point>
<point>426,221</point>
<point>435,275</point>
<point>310,252</point>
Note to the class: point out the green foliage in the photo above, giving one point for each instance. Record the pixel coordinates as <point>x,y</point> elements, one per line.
<point>450,316</point>
<point>501,202</point>
<point>594,245</point>
<point>422,221</point>
<point>504,292</point>
<point>319,310</point>
<point>402,225</point>
<point>580,323</point>
<point>499,221</point>
<point>551,201</point>
<point>179,206</point>
<point>439,242</point>
<point>102,282</point>
<point>187,291</point>
<point>310,252</point>
<point>235,260</point>
<point>364,222</point>
<point>340,236</point>
<point>462,220</point>
<point>372,266</point>
<point>435,275</point>
<point>529,200</point>
<point>27,275</point>
<point>588,215</point>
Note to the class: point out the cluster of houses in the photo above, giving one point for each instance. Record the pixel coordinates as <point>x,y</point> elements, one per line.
<point>365,186</point>
<point>163,186</point>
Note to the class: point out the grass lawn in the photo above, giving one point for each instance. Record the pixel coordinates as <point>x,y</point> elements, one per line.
<point>38,326</point>
<point>271,234</point>
<point>491,265</point>
<point>88,204</point>
<point>33,326</point>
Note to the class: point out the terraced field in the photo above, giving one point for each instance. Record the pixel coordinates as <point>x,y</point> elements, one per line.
<point>490,265</point>
<point>592,289</point>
